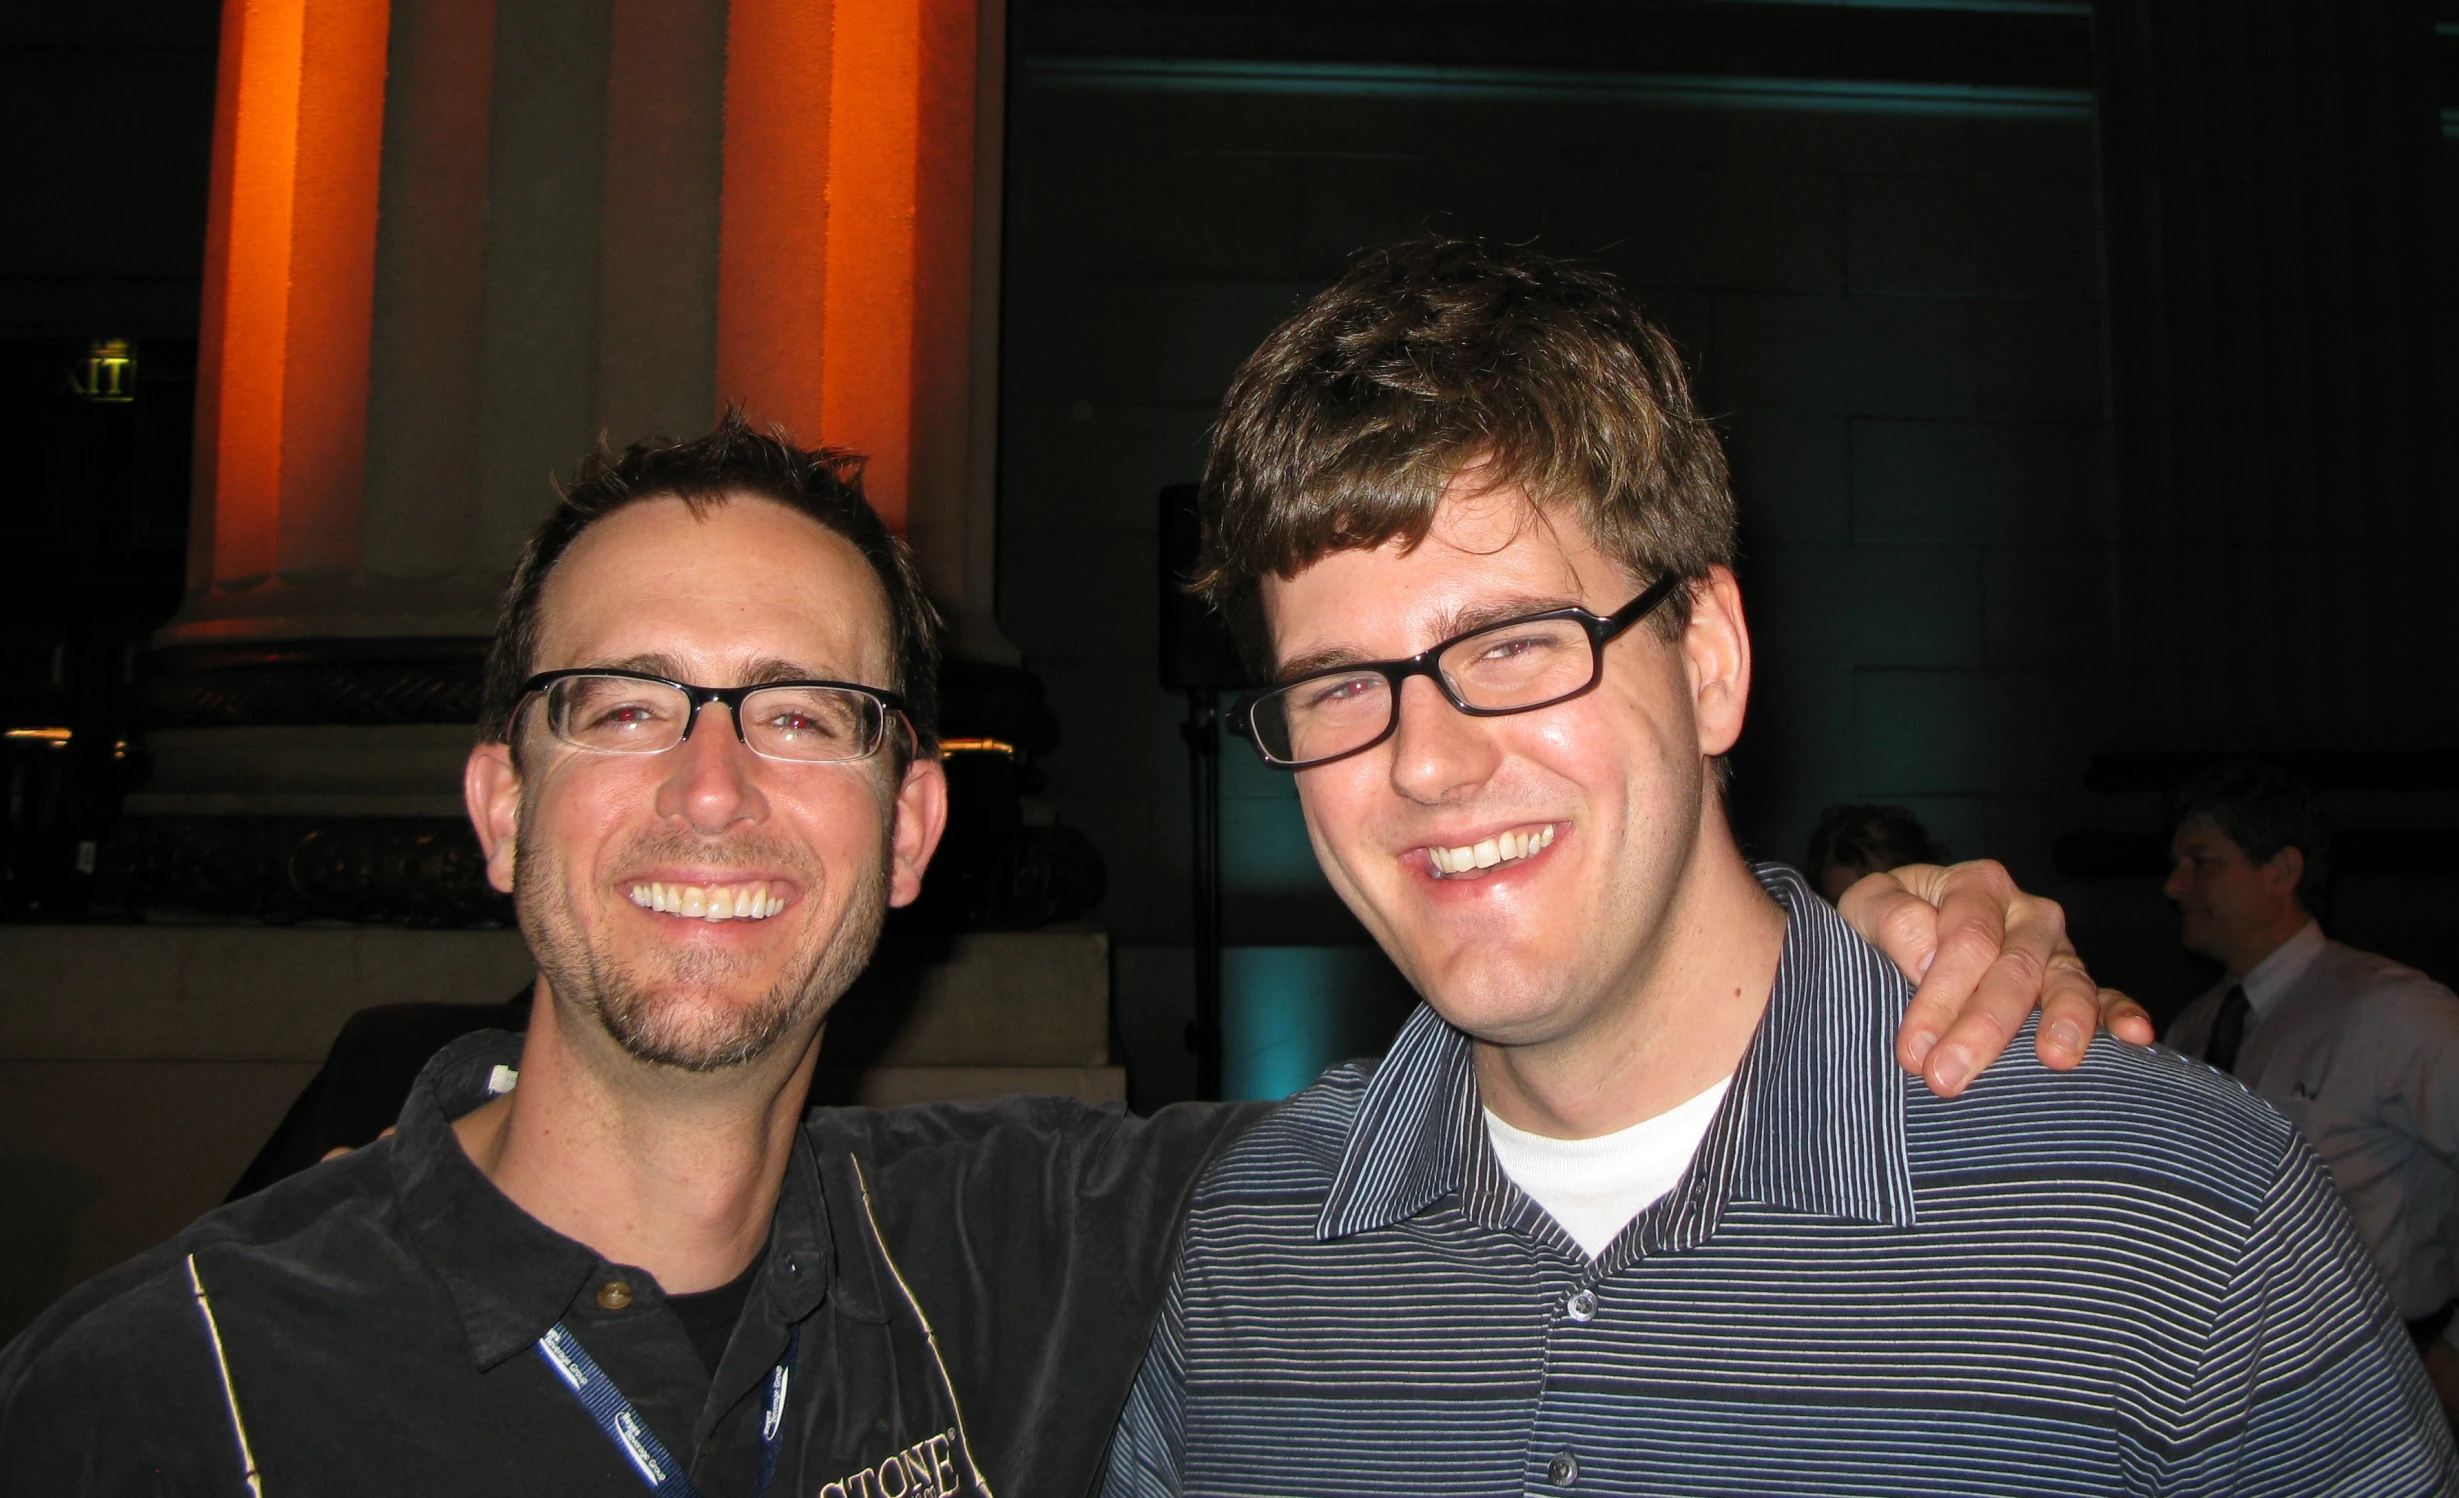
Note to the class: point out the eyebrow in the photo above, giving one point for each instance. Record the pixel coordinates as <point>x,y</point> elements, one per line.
<point>760,672</point>
<point>1449,627</point>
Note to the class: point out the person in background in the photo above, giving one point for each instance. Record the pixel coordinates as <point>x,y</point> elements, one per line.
<point>1853,842</point>
<point>2361,1053</point>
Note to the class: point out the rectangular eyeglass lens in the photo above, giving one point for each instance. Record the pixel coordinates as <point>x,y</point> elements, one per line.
<point>1515,664</point>
<point>811,722</point>
<point>616,712</point>
<point>1328,715</point>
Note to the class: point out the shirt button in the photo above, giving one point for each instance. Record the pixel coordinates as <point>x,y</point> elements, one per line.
<point>614,1295</point>
<point>1563,1470</point>
<point>1582,1306</point>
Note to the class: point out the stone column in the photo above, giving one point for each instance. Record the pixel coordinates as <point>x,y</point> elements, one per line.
<point>455,243</point>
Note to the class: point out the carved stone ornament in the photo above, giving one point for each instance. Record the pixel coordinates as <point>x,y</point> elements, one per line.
<point>319,681</point>
<point>396,871</point>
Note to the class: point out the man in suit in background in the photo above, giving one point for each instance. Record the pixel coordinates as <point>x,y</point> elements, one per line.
<point>2361,1053</point>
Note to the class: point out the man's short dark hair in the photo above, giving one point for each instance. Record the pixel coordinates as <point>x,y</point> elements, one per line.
<point>1872,839</point>
<point>734,461</point>
<point>2263,808</point>
<point>1341,431</point>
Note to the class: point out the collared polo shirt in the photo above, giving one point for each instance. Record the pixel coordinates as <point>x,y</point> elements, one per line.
<point>968,1288</point>
<point>2362,1054</point>
<point>2132,1278</point>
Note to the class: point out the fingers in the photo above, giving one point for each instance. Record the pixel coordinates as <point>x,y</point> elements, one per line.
<point>1888,914</point>
<point>1945,928</point>
<point>2070,1010</point>
<point>1994,948</point>
<point>1984,954</point>
<point>2126,1019</point>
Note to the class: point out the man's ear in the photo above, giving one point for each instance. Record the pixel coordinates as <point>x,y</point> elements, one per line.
<point>2285,869</point>
<point>491,788</point>
<point>921,816</point>
<point>1716,649</point>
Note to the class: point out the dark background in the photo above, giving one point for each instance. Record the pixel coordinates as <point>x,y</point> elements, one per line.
<point>2088,396</point>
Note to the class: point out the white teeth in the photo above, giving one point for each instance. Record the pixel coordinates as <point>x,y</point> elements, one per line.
<point>741,902</point>
<point>1502,848</point>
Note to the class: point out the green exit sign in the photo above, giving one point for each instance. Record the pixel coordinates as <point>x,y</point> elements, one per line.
<point>108,372</point>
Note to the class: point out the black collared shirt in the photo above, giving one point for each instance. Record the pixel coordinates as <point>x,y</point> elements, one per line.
<point>969,1286</point>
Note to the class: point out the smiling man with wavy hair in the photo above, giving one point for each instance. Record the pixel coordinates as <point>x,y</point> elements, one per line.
<point>1639,1200</point>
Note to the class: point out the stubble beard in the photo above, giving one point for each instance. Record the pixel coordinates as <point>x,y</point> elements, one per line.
<point>681,1016</point>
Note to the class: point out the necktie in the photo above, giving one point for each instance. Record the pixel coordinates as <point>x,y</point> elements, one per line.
<point>2228,1029</point>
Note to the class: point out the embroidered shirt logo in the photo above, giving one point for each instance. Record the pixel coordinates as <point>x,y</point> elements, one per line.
<point>926,1469</point>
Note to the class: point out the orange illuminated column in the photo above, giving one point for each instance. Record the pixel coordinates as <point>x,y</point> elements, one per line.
<point>288,296</point>
<point>846,259</point>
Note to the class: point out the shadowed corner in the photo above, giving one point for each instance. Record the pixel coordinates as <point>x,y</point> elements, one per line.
<point>40,1199</point>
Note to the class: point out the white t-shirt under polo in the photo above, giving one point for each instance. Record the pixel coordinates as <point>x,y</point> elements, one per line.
<point>1594,1187</point>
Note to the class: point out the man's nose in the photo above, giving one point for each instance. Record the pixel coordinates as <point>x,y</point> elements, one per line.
<point>1439,752</point>
<point>2174,887</point>
<point>712,776</point>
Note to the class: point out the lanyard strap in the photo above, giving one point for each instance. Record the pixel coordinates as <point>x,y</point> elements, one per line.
<point>631,1434</point>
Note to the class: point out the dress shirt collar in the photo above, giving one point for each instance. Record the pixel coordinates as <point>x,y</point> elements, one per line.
<point>2288,961</point>
<point>1814,1120</point>
<point>511,1276</point>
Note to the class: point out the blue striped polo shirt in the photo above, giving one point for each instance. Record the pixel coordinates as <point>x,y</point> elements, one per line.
<point>2132,1278</point>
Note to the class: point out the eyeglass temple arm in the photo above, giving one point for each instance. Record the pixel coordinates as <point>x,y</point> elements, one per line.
<point>1646,603</point>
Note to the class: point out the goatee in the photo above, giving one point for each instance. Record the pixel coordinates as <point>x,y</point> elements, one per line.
<point>685,1016</point>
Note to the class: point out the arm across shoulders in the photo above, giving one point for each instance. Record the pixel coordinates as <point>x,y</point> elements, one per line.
<point>1063,1134</point>
<point>1037,1236</point>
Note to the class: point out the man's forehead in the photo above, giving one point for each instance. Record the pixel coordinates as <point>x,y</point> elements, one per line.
<point>1488,556</point>
<point>744,587</point>
<point>2200,833</point>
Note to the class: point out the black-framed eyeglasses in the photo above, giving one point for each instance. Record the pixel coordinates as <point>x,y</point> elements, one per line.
<point>1493,671</point>
<point>607,711</point>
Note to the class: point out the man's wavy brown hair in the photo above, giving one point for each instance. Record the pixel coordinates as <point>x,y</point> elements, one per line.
<point>1428,358</point>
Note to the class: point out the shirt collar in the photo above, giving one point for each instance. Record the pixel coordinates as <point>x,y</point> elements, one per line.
<point>511,1276</point>
<point>2288,961</point>
<point>1813,1123</point>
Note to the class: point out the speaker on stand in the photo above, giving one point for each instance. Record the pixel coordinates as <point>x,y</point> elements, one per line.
<point>1199,660</point>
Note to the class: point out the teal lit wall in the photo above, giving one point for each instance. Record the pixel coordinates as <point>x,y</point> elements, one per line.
<point>1289,1012</point>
